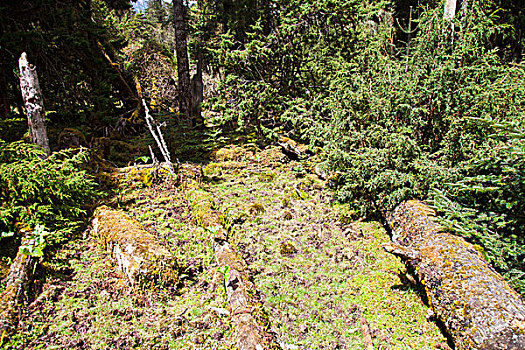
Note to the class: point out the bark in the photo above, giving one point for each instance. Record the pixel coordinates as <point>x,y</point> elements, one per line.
<point>17,280</point>
<point>197,90</point>
<point>4,100</point>
<point>181,47</point>
<point>248,333</point>
<point>139,254</point>
<point>367,337</point>
<point>125,89</point>
<point>34,104</point>
<point>477,306</point>
<point>450,9</point>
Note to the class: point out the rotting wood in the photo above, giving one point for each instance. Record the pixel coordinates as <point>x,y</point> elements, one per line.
<point>248,332</point>
<point>477,306</point>
<point>243,305</point>
<point>367,337</point>
<point>16,281</point>
<point>33,103</point>
<point>139,254</point>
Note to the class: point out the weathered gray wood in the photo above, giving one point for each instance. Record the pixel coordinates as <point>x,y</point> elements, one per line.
<point>477,306</point>
<point>34,103</point>
<point>16,281</point>
<point>450,9</point>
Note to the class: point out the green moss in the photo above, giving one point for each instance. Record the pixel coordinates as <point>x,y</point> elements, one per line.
<point>287,248</point>
<point>256,208</point>
<point>267,176</point>
<point>212,170</point>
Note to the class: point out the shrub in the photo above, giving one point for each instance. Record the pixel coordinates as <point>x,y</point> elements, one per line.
<point>487,205</point>
<point>52,192</point>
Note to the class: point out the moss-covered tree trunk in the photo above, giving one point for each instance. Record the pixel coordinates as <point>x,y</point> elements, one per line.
<point>17,280</point>
<point>478,307</point>
<point>140,255</point>
<point>245,308</point>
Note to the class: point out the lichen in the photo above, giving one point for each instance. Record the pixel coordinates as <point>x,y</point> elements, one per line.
<point>463,290</point>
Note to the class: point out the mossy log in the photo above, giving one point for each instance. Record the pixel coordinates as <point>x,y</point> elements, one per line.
<point>139,254</point>
<point>16,281</point>
<point>245,309</point>
<point>248,332</point>
<point>477,306</point>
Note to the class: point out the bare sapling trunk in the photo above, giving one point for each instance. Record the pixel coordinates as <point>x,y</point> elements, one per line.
<point>157,135</point>
<point>34,104</point>
<point>477,306</point>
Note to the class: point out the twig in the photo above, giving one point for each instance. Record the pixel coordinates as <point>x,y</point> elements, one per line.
<point>153,158</point>
<point>159,139</point>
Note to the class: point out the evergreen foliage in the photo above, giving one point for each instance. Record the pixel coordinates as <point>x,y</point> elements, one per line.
<point>402,107</point>
<point>401,102</point>
<point>52,192</point>
<point>486,205</point>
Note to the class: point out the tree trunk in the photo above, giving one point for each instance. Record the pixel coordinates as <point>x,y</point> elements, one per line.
<point>181,47</point>
<point>33,103</point>
<point>247,331</point>
<point>139,254</point>
<point>450,9</point>
<point>4,100</point>
<point>477,306</point>
<point>197,91</point>
<point>16,281</point>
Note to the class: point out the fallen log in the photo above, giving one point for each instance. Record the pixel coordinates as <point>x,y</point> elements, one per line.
<point>248,332</point>
<point>367,337</point>
<point>477,306</point>
<point>16,281</point>
<point>244,307</point>
<point>139,254</point>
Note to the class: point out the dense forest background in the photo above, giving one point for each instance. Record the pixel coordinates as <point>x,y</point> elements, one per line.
<point>398,101</point>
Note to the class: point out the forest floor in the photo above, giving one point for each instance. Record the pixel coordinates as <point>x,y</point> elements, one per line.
<point>317,273</point>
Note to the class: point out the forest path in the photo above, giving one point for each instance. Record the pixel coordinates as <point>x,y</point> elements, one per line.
<point>316,273</point>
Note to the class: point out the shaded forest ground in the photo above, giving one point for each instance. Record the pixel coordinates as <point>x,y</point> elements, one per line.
<point>316,271</point>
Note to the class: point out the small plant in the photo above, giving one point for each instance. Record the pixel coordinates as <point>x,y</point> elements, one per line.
<point>142,159</point>
<point>38,238</point>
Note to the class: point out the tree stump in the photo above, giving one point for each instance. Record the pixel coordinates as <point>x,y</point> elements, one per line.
<point>33,101</point>
<point>477,306</point>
